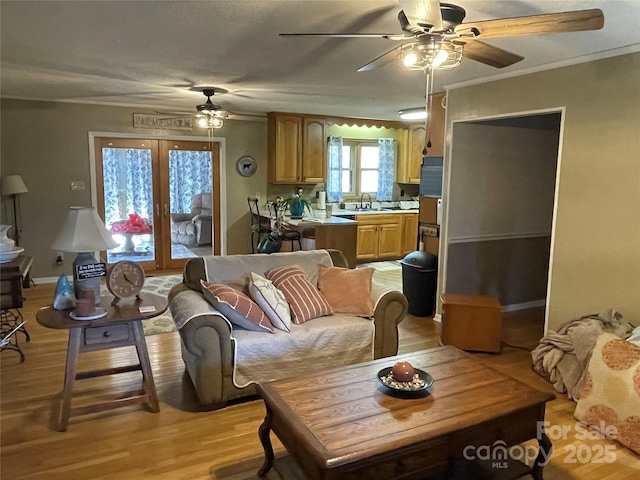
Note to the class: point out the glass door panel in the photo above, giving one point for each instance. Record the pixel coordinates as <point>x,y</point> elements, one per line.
<point>128,197</point>
<point>191,170</point>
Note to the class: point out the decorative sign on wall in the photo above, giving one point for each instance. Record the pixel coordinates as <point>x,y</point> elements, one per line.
<point>246,166</point>
<point>143,120</point>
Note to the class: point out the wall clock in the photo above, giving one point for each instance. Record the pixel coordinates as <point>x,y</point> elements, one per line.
<point>125,279</point>
<point>246,166</point>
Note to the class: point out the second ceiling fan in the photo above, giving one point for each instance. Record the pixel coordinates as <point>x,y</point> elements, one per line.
<point>434,36</point>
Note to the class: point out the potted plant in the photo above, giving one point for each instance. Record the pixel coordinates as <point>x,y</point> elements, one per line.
<point>296,205</point>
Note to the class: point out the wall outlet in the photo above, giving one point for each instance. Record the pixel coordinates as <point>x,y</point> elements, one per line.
<point>59,257</point>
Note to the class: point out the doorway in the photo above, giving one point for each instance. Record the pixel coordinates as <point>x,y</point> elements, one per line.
<point>501,197</point>
<point>159,198</point>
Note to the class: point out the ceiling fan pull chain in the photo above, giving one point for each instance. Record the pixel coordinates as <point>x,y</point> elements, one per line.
<point>429,106</point>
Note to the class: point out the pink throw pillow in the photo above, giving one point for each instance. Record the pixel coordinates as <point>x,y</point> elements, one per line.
<point>347,290</point>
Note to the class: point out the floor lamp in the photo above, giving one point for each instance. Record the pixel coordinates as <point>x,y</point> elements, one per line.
<point>13,185</point>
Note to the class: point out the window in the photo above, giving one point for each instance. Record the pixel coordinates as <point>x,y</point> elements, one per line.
<point>360,163</point>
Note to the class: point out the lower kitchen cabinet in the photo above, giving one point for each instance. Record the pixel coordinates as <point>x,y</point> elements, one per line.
<point>379,237</point>
<point>409,233</point>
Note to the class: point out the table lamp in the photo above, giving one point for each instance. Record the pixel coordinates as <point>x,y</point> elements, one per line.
<point>13,185</point>
<point>83,233</point>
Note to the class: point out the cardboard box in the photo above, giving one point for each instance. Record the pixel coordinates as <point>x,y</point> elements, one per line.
<point>429,210</point>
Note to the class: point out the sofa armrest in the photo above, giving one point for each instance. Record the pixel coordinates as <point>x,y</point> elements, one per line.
<point>207,350</point>
<point>181,217</point>
<point>202,218</point>
<point>390,308</point>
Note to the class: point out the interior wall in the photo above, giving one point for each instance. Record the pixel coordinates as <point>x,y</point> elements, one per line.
<point>502,181</point>
<point>47,143</point>
<point>501,208</point>
<point>594,257</point>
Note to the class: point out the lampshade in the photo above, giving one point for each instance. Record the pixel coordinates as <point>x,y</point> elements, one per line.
<point>13,185</point>
<point>83,231</point>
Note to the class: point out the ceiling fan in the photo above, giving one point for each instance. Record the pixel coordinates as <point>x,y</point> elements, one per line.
<point>434,36</point>
<point>208,114</point>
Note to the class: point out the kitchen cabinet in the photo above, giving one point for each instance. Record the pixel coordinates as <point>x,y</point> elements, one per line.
<point>412,141</point>
<point>410,157</point>
<point>379,237</point>
<point>296,148</point>
<point>409,233</point>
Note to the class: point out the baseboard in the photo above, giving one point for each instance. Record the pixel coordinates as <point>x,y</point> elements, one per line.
<point>437,318</point>
<point>514,307</point>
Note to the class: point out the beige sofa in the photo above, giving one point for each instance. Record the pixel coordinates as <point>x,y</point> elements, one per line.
<point>210,344</point>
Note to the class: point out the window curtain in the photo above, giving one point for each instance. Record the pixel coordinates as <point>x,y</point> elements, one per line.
<point>127,183</point>
<point>387,161</point>
<point>190,173</point>
<point>334,176</point>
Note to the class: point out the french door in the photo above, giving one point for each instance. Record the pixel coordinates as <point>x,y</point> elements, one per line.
<point>148,192</point>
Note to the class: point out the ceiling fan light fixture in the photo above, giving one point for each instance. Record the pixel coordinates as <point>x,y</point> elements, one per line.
<point>437,55</point>
<point>209,121</point>
<point>415,113</point>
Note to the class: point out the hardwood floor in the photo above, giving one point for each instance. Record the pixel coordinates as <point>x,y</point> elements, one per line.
<point>184,440</point>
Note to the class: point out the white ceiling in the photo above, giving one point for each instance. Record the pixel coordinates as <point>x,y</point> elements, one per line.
<point>149,53</point>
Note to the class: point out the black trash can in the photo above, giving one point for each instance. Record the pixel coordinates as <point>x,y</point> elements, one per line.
<point>419,281</point>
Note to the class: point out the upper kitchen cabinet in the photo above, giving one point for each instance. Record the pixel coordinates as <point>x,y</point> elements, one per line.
<point>314,150</point>
<point>413,140</point>
<point>296,148</point>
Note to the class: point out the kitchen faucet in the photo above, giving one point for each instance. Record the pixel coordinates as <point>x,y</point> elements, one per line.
<point>362,205</point>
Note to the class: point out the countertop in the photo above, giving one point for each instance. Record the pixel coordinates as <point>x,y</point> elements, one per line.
<point>319,220</point>
<point>374,211</point>
<point>337,217</point>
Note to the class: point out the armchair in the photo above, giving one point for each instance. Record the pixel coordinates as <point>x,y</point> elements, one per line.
<point>194,228</point>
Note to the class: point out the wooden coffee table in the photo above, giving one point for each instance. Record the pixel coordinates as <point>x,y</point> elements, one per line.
<point>343,424</point>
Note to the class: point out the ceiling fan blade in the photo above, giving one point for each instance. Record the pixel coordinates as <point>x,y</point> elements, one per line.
<point>388,36</point>
<point>577,21</point>
<point>406,25</point>
<point>381,60</point>
<point>423,13</point>
<point>488,54</point>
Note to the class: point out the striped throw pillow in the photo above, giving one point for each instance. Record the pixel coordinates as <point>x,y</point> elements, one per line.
<point>304,299</point>
<point>239,309</point>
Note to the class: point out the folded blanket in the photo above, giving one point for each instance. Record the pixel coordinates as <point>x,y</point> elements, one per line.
<point>562,357</point>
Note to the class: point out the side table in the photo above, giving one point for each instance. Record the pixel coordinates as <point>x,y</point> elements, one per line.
<point>14,275</point>
<point>121,327</point>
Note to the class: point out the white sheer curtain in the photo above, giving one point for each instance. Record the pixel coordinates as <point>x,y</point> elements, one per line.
<point>334,162</point>
<point>387,159</point>
<point>190,173</point>
<point>127,183</point>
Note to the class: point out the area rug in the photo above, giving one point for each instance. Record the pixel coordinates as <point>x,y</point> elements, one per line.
<point>160,286</point>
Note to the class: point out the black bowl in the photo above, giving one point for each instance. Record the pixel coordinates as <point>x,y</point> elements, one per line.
<point>422,375</point>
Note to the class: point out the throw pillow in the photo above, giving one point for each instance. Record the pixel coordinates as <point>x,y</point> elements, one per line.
<point>304,299</point>
<point>239,309</point>
<point>347,290</point>
<point>271,300</point>
<point>610,399</point>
